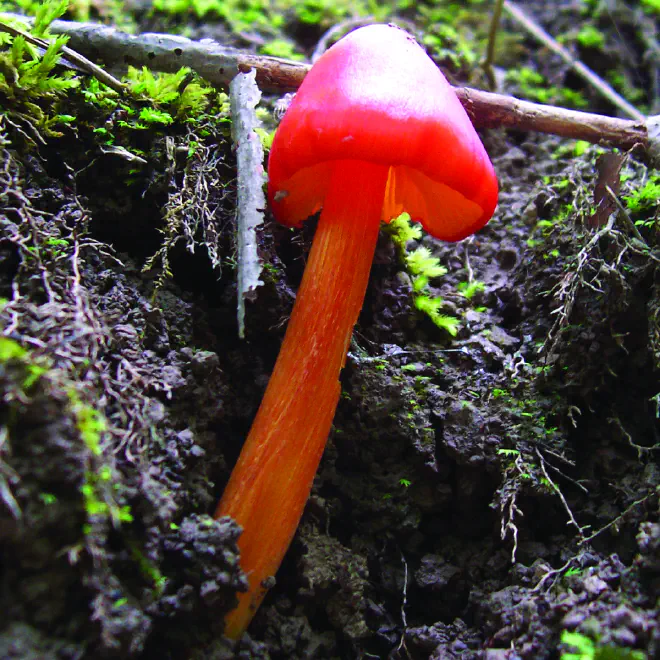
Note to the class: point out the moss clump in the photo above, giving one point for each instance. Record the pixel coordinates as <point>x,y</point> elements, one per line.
<point>422,267</point>
<point>31,93</point>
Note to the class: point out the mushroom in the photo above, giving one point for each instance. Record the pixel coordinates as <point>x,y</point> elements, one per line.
<point>374,130</point>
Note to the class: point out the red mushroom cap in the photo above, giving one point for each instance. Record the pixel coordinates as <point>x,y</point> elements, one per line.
<point>376,96</point>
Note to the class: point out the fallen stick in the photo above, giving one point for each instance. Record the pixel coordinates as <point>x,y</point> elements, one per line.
<point>219,65</point>
<point>581,69</point>
<point>488,110</point>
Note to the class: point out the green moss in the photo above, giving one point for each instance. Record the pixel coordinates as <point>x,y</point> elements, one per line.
<point>281,48</point>
<point>12,351</point>
<point>533,86</point>
<point>584,648</point>
<point>99,502</point>
<point>470,289</point>
<point>148,569</point>
<point>240,15</point>
<point>403,231</point>
<point>590,37</point>
<point>651,6</point>
<point>31,92</point>
<point>422,267</point>
<point>327,12</point>
<point>90,423</point>
<point>455,32</point>
<point>646,197</point>
<point>98,482</point>
<point>431,307</point>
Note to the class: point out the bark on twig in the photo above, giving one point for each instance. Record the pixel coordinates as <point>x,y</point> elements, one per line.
<point>164,52</point>
<point>488,110</point>
<point>245,96</point>
<point>219,65</point>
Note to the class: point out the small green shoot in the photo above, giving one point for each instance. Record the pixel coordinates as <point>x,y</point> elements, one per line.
<point>422,267</point>
<point>31,92</point>
<point>90,422</point>
<point>535,87</point>
<point>651,6</point>
<point>431,307</point>
<point>586,649</point>
<point>282,48</point>
<point>646,197</point>
<point>470,289</point>
<point>591,37</point>
<point>11,350</point>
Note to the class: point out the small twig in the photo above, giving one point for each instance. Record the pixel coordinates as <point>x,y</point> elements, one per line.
<point>624,214</point>
<point>583,71</point>
<point>617,519</point>
<point>488,110</point>
<point>560,494</point>
<point>577,484</point>
<point>641,450</point>
<point>164,52</point>
<point>251,201</point>
<point>559,457</point>
<point>508,525</point>
<point>404,602</point>
<point>552,573</point>
<point>489,60</point>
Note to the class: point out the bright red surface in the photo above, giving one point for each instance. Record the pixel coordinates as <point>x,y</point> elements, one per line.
<point>376,96</point>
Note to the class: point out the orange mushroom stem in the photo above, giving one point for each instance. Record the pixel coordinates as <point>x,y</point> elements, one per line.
<point>374,130</point>
<point>271,482</point>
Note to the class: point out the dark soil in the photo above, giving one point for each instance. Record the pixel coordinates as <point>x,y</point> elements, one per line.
<point>479,495</point>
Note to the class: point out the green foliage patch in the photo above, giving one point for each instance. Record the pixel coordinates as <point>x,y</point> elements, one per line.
<point>422,267</point>
<point>584,648</point>
<point>533,86</point>
<point>31,93</point>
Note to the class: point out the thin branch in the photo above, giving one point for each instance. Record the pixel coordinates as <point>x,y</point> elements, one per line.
<point>583,71</point>
<point>489,60</point>
<point>488,110</point>
<point>557,490</point>
<point>219,65</point>
<point>577,484</point>
<point>404,602</point>
<point>553,572</point>
<point>618,519</point>
<point>164,52</point>
<point>624,214</point>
